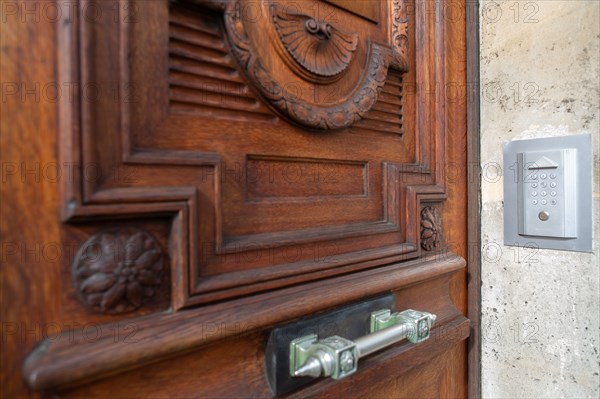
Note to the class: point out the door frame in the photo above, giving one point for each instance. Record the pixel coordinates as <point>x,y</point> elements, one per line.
<point>473,198</point>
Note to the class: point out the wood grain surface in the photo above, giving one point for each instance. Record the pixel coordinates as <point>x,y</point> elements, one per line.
<point>139,133</point>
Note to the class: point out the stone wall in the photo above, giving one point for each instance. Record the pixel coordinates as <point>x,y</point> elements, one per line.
<point>540,73</point>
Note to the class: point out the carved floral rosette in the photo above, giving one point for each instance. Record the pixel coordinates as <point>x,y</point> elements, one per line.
<point>430,228</point>
<point>117,271</point>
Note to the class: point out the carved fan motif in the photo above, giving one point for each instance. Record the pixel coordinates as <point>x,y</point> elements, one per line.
<point>317,46</point>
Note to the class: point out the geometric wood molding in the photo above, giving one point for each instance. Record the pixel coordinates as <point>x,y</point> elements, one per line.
<point>118,271</point>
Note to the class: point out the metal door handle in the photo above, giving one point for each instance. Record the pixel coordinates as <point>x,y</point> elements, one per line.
<point>337,357</point>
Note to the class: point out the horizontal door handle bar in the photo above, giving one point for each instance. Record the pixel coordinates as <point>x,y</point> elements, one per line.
<point>337,357</point>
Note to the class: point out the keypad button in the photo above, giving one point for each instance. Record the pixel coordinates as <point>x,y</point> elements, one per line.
<point>544,202</point>
<point>534,185</point>
<point>543,184</point>
<point>534,202</point>
<point>553,175</point>
<point>534,177</point>
<point>553,202</point>
<point>553,184</point>
<point>534,193</point>
<point>543,193</point>
<point>553,193</point>
<point>543,176</point>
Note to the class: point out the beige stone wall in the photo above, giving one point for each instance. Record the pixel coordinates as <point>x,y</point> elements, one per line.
<point>540,73</point>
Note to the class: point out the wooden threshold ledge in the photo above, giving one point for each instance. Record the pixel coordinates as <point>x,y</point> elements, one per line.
<point>71,359</point>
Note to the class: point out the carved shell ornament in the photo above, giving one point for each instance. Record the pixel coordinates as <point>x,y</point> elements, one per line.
<point>317,46</point>
<point>430,228</point>
<point>117,271</point>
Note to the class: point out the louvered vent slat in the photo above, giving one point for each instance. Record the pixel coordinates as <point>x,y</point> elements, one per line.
<point>203,79</point>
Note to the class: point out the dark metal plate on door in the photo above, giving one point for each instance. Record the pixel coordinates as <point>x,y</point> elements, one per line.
<point>350,321</point>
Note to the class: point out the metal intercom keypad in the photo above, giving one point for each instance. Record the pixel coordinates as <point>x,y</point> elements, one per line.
<point>548,193</point>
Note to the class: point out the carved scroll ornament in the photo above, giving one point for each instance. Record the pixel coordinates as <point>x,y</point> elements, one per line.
<point>400,35</point>
<point>118,271</point>
<point>317,46</point>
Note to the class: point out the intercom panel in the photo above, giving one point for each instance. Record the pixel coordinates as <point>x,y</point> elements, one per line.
<point>547,193</point>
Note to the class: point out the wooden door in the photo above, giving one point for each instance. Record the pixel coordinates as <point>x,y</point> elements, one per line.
<point>199,172</point>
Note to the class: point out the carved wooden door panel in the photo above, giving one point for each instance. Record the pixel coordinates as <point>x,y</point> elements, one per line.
<point>237,165</point>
